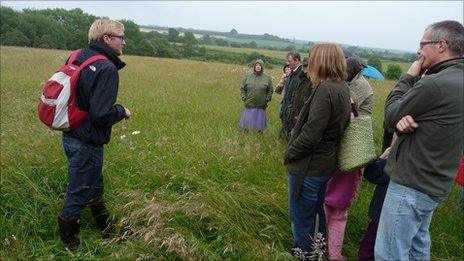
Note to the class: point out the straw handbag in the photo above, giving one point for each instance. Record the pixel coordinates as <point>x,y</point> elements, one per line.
<point>357,144</point>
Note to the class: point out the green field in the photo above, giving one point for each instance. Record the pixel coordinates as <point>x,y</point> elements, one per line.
<point>270,53</point>
<point>264,43</point>
<point>191,185</point>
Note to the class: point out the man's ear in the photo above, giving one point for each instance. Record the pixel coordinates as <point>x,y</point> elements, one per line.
<point>442,46</point>
<point>105,39</point>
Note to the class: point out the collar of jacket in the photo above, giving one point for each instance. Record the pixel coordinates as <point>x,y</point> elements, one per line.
<point>444,64</point>
<point>356,77</point>
<point>110,54</point>
<point>303,74</point>
<point>297,70</point>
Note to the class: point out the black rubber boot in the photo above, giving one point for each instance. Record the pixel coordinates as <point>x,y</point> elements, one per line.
<point>102,218</point>
<point>68,230</point>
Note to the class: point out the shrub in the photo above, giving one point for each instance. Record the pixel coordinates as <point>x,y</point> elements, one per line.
<point>393,72</point>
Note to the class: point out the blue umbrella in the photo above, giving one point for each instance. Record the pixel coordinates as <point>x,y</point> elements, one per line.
<point>371,72</point>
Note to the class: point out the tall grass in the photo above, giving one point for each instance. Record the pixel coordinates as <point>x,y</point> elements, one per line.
<point>190,185</point>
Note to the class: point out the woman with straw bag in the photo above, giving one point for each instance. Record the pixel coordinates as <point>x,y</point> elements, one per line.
<point>311,155</point>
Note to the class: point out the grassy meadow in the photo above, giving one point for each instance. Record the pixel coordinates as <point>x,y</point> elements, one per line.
<point>189,186</point>
<point>270,53</point>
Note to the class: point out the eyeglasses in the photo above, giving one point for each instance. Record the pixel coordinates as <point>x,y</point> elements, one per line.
<point>122,37</point>
<point>422,44</point>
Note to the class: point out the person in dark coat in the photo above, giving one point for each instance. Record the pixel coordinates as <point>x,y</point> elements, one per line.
<point>375,174</point>
<point>294,62</point>
<point>311,155</point>
<point>96,93</point>
<point>300,94</point>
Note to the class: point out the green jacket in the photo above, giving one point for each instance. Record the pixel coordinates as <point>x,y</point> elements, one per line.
<point>313,146</point>
<point>257,90</point>
<point>301,93</point>
<point>427,159</point>
<point>287,98</point>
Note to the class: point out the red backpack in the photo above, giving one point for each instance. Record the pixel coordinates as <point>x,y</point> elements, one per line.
<point>57,105</point>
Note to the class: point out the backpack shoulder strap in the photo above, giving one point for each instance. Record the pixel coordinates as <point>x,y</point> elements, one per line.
<point>92,60</point>
<point>73,56</point>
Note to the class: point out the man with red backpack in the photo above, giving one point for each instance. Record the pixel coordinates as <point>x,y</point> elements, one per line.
<point>96,93</point>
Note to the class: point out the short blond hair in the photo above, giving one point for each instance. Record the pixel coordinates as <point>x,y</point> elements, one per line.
<point>102,27</point>
<point>326,64</point>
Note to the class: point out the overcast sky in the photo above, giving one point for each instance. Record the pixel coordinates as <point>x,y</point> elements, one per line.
<point>386,24</point>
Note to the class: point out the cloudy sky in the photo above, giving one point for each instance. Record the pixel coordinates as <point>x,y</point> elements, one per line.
<point>383,24</point>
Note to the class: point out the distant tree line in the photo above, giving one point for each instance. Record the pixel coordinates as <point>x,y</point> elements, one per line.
<point>384,55</point>
<point>220,38</point>
<point>68,29</point>
<point>233,33</point>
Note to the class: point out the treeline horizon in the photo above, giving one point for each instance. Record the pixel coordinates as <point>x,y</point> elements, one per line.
<point>68,29</point>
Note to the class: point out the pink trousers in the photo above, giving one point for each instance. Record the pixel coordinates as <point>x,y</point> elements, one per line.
<point>336,219</point>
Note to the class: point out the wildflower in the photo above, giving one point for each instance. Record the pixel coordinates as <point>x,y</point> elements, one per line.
<point>123,137</point>
<point>135,132</point>
<point>319,247</point>
<point>299,253</point>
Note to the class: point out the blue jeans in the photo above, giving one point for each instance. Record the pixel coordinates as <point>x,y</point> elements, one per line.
<point>85,179</point>
<point>303,210</point>
<point>403,231</point>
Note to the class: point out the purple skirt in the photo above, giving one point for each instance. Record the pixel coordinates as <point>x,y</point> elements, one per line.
<point>253,119</point>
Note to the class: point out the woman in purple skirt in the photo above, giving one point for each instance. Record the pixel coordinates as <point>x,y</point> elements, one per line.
<point>256,92</point>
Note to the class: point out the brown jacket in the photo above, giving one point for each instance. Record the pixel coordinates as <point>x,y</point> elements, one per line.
<point>313,146</point>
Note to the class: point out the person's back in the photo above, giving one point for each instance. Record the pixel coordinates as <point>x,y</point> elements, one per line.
<point>362,94</point>
<point>343,186</point>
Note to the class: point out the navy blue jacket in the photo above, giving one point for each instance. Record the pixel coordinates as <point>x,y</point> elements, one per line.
<point>96,93</point>
<point>374,173</point>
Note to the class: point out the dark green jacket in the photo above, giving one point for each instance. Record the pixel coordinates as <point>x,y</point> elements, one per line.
<point>300,95</point>
<point>256,90</point>
<point>313,146</point>
<point>287,100</point>
<point>427,159</point>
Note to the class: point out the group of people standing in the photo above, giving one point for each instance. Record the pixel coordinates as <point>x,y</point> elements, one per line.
<point>419,161</point>
<point>320,94</point>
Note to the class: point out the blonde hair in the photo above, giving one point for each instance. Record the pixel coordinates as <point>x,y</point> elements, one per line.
<point>102,27</point>
<point>326,63</point>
